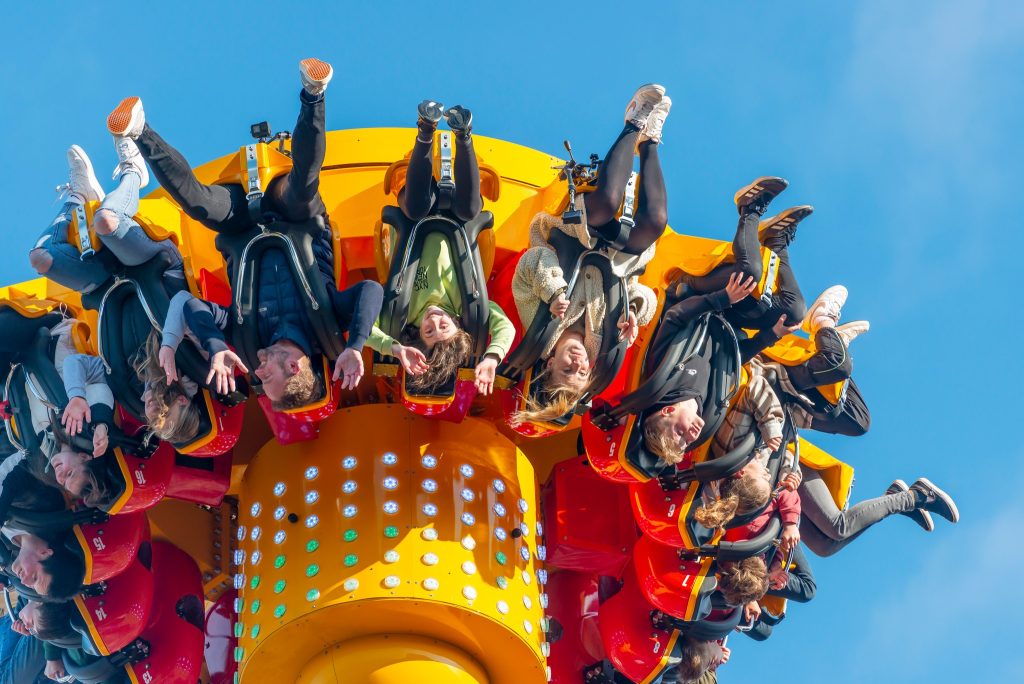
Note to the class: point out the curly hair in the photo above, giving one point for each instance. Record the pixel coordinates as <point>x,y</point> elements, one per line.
<point>697,657</point>
<point>444,360</point>
<point>301,389</point>
<point>743,581</point>
<point>661,441</point>
<point>165,425</point>
<point>555,401</point>
<point>737,496</point>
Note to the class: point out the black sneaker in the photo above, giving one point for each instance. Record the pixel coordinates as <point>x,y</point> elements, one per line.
<point>459,119</point>
<point>758,195</point>
<point>430,112</point>
<point>780,230</point>
<point>922,518</point>
<point>936,500</point>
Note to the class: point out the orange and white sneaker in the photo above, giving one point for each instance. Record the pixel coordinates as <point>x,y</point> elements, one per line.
<point>826,309</point>
<point>128,119</point>
<point>315,75</point>
<point>644,100</point>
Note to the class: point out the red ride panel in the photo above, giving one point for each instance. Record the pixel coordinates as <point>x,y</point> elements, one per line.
<point>112,545</point>
<point>574,604</point>
<point>220,639</point>
<point>632,645</point>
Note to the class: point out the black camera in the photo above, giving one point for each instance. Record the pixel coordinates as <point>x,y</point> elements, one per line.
<point>260,131</point>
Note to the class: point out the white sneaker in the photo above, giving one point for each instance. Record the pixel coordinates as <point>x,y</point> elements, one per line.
<point>829,304</point>
<point>850,331</point>
<point>315,75</point>
<point>127,119</point>
<point>642,104</point>
<point>656,121</point>
<point>82,183</point>
<point>131,161</point>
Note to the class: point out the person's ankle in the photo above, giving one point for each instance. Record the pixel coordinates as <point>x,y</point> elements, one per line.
<point>307,97</point>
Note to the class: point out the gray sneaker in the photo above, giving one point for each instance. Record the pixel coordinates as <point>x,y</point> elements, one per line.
<point>921,517</point>
<point>936,500</point>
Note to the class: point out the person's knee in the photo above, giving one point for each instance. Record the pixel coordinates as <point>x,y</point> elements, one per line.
<point>105,222</point>
<point>41,261</point>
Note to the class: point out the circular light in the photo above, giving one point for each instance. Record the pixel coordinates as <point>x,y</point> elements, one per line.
<point>525,529</point>
<point>239,557</point>
<point>523,506</point>
<point>312,521</point>
<point>239,654</point>
<point>279,586</point>
<point>542,576</point>
<point>468,519</point>
<point>502,583</point>
<point>469,567</point>
<point>468,495</point>
<point>350,486</point>
<point>279,611</point>
<point>501,558</point>
<point>469,592</point>
<point>545,624</point>
<point>255,509</point>
<point>351,535</point>
<point>429,486</point>
<point>499,486</point>
<point>239,581</point>
<point>312,570</point>
<point>279,537</point>
<point>350,560</point>
<point>528,626</point>
<point>390,483</point>
<point>312,496</point>
<point>279,489</point>
<point>312,595</point>
<point>540,529</point>
<point>349,511</point>
<point>526,578</point>
<point>350,584</point>
<point>468,543</point>
<point>527,603</point>
<point>429,461</point>
<point>391,556</point>
<point>543,600</point>
<point>390,531</point>
<point>280,512</point>
<point>466,470</point>
<point>429,533</point>
<point>349,462</point>
<point>256,532</point>
<point>430,584</point>
<point>502,607</point>
<point>279,562</point>
<point>500,533</point>
<point>239,605</point>
<point>429,510</point>
<point>312,472</point>
<point>524,553</point>
<point>255,607</point>
<point>429,559</point>
<point>392,581</point>
<point>240,533</point>
<point>542,553</point>
<point>499,509</point>
<point>312,545</point>
<point>389,458</point>
<point>390,507</point>
<point>255,558</point>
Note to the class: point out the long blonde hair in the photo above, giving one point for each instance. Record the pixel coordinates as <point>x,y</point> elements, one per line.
<point>165,426</point>
<point>737,496</point>
<point>558,399</point>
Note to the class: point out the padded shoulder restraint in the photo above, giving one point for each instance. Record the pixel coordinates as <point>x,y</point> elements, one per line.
<point>48,525</point>
<point>462,241</point>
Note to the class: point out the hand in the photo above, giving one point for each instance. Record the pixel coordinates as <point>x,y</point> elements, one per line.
<point>738,288</point>
<point>222,367</point>
<point>76,415</point>
<point>790,538</point>
<point>751,612</point>
<point>485,375</point>
<point>411,358</point>
<point>773,443</point>
<point>54,669</point>
<point>19,627</point>
<point>725,655</point>
<point>778,578</point>
<point>559,305</point>
<point>349,369</point>
<point>166,358</point>
<point>100,439</point>
<point>629,329</point>
<point>792,481</point>
<point>780,329</point>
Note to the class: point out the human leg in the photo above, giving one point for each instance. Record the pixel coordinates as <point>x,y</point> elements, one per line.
<point>818,508</point>
<point>468,202</point>
<point>60,261</point>
<point>652,207</point>
<point>297,195</point>
<point>356,309</point>
<point>853,420</point>
<point>26,661</point>
<point>418,196</point>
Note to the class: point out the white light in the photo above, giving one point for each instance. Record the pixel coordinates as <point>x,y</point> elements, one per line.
<point>312,521</point>
<point>469,567</point>
<point>523,506</point>
<point>349,462</point>
<point>499,510</point>
<point>279,489</point>
<point>279,537</point>
<point>312,496</point>
<point>468,519</point>
<point>429,510</point>
<point>312,472</point>
<point>279,512</point>
<point>468,543</point>
<point>545,649</point>
<point>542,553</point>
<point>239,557</point>
<point>528,626</point>
<point>389,458</point>
<point>545,624</point>
<point>542,576</point>
<point>349,511</point>
<point>239,581</point>
<point>350,584</point>
<point>238,605</point>
<point>429,533</point>
<point>391,556</point>
<point>429,485</point>
<point>392,581</point>
<point>390,483</point>
<point>468,495</point>
<point>466,470</point>
<point>430,584</point>
<point>240,533</point>
<point>502,607</point>
<point>390,507</point>
<point>526,578</point>
<point>256,532</point>
<point>525,529</point>
<point>543,600</point>
<point>500,533</point>
<point>524,553</point>
<point>255,510</point>
<point>255,558</point>
<point>469,593</point>
<point>499,486</point>
<point>540,529</point>
<point>527,603</point>
<point>429,461</point>
<point>350,486</point>
<point>429,559</point>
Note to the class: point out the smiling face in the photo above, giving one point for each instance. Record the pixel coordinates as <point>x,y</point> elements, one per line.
<point>437,326</point>
<point>154,408</point>
<point>755,471</point>
<point>683,421</point>
<point>278,363</point>
<point>569,364</point>
<point>69,470</point>
<point>28,567</point>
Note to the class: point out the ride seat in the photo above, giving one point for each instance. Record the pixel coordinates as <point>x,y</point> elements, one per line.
<point>700,264</point>
<point>680,587</point>
<point>109,547</point>
<point>113,613</point>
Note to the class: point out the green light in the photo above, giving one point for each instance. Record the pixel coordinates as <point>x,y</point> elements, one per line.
<point>255,581</point>
<point>312,545</point>
<point>239,630</point>
<point>312,570</point>
<point>350,535</point>
<point>390,531</point>
<point>279,561</point>
<point>279,586</point>
<point>500,557</point>
<point>255,608</point>
<point>235,679</point>
<point>502,583</point>
<point>312,594</point>
<point>239,654</point>
<point>255,632</point>
<point>279,611</point>
<point>350,560</point>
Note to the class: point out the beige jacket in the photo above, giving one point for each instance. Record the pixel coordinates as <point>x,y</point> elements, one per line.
<point>538,278</point>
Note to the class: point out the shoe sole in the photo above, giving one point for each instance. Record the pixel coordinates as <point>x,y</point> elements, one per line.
<point>758,186</point>
<point>946,499</point>
<point>427,110</point>
<point>120,120</point>
<point>790,217</point>
<point>923,519</point>
<point>315,70</point>
<point>811,315</point>
<point>94,183</point>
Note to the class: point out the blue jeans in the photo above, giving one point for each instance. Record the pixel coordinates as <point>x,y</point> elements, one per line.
<point>21,657</point>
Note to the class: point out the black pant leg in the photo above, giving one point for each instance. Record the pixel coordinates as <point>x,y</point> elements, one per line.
<point>468,201</point>
<point>420,190</point>
<point>652,205</point>
<point>831,362</point>
<point>296,196</point>
<point>604,201</point>
<point>853,421</point>
<point>747,252</point>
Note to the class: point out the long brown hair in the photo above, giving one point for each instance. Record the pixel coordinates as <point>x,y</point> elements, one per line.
<point>743,581</point>
<point>444,360</point>
<point>738,495</point>
<point>556,400</point>
<point>165,426</point>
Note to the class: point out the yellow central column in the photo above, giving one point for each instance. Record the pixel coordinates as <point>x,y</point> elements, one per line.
<point>391,549</point>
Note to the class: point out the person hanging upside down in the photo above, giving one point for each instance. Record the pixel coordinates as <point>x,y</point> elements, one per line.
<point>435,345</point>
<point>284,331</point>
<point>540,281</point>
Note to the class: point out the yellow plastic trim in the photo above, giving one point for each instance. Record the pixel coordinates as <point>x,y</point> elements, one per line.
<point>691,604</point>
<point>87,553</point>
<point>200,442</point>
<point>323,401</point>
<point>663,663</point>
<point>91,626</point>
<point>129,483</point>
<point>621,454</point>
<point>838,476</point>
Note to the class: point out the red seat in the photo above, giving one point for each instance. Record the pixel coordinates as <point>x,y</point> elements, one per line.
<point>220,639</point>
<point>224,431</point>
<point>117,614</point>
<point>680,588</point>
<point>199,485</point>
<point>573,604</point>
<point>109,547</point>
<point>143,481</point>
<point>605,449</point>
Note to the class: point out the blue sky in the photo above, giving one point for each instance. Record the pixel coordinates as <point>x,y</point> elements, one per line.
<point>900,122</point>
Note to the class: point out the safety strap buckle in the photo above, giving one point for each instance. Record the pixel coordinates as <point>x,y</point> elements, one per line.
<point>770,274</point>
<point>629,202</point>
<point>253,189</point>
<point>446,184</point>
<point>82,224</point>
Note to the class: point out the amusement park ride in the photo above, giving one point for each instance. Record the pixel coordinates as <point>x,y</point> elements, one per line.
<point>380,536</point>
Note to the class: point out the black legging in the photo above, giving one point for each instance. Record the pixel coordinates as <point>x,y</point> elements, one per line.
<point>223,208</point>
<point>652,206</point>
<point>420,191</point>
